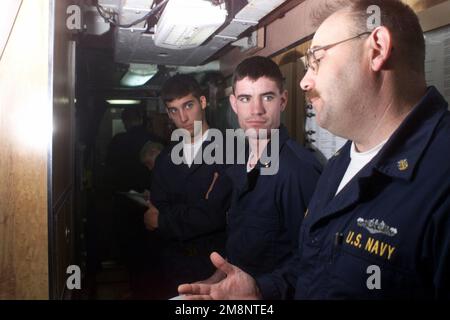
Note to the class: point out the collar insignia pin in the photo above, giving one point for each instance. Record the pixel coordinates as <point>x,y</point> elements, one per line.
<point>402,165</point>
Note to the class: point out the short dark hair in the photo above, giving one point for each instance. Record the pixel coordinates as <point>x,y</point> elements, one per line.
<point>396,16</point>
<point>180,85</point>
<point>404,25</point>
<point>131,115</point>
<point>257,67</point>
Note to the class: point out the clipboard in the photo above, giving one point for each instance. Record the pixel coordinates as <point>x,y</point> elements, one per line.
<point>136,197</point>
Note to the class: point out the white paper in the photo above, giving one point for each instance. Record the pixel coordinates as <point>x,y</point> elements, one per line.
<point>136,197</point>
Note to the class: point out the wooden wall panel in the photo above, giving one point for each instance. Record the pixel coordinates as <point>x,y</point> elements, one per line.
<point>25,134</point>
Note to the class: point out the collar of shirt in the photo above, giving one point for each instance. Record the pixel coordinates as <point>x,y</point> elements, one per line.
<point>358,161</point>
<point>369,154</point>
<point>251,162</point>
<point>403,150</point>
<point>190,150</point>
<point>238,173</point>
<point>405,147</point>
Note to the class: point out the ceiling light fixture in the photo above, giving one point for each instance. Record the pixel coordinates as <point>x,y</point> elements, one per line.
<point>138,74</point>
<point>123,101</point>
<point>187,24</point>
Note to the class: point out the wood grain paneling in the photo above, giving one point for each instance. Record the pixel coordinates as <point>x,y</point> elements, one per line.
<point>25,134</point>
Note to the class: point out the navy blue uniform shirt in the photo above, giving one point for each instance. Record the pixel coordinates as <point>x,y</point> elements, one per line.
<point>390,223</point>
<point>267,210</point>
<point>191,225</point>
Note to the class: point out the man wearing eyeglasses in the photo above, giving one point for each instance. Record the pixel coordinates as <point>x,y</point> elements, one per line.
<point>378,225</point>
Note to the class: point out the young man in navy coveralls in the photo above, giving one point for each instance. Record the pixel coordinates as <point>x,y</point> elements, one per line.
<point>188,200</point>
<point>378,225</point>
<point>267,208</point>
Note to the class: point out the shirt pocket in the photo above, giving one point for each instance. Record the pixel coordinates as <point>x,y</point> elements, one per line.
<point>197,186</point>
<point>355,275</point>
<point>255,241</point>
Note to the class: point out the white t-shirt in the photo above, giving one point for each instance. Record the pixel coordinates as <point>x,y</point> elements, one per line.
<point>357,161</point>
<point>190,150</point>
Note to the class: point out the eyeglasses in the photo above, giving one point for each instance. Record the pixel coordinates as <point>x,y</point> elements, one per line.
<point>312,61</point>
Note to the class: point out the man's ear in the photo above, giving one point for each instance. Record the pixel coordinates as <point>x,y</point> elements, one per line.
<point>380,48</point>
<point>233,101</point>
<point>284,100</point>
<point>203,102</point>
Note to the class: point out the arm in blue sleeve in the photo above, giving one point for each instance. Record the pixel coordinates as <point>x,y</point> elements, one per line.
<point>184,222</point>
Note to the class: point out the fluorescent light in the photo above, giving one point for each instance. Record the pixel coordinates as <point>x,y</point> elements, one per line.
<point>187,24</point>
<point>138,74</point>
<point>134,80</point>
<point>123,101</point>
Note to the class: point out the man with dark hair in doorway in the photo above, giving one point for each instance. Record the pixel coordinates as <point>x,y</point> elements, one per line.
<point>126,172</point>
<point>189,201</point>
<point>378,225</point>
